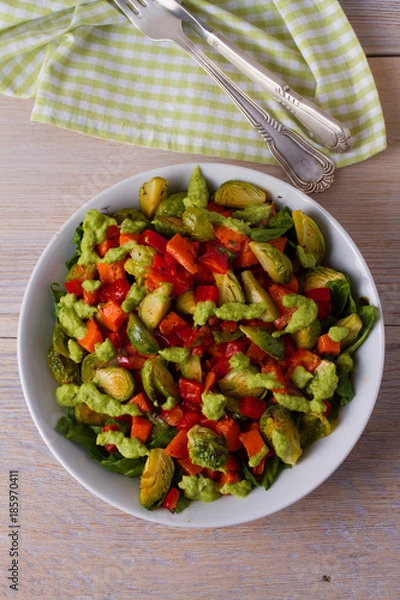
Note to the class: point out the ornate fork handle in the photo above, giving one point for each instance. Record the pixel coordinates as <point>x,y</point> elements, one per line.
<point>307,168</point>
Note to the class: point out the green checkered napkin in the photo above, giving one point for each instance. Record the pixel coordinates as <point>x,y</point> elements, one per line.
<point>91,71</point>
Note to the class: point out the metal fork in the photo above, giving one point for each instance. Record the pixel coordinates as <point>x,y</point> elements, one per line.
<point>307,168</point>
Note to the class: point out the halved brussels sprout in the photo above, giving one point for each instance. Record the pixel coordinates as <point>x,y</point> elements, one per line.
<point>151,194</point>
<point>140,337</point>
<point>254,292</point>
<point>278,429</point>
<point>169,226</point>
<point>278,266</point>
<point>311,243</point>
<point>91,363</point>
<point>319,277</point>
<point>354,324</point>
<point>172,206</point>
<point>117,382</point>
<point>155,306</point>
<point>191,368</point>
<point>84,414</point>
<point>156,478</point>
<point>229,288</point>
<point>60,341</point>
<point>64,370</point>
<point>206,448</point>
<point>260,336</point>
<point>186,303</point>
<point>197,224</point>
<point>158,382</point>
<point>239,194</point>
<point>307,337</point>
<point>140,261</point>
<point>235,384</point>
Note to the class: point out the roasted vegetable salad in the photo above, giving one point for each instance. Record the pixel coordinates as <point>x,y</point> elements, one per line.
<point>201,343</point>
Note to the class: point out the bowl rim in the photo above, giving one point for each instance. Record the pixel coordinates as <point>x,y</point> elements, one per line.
<point>164,517</point>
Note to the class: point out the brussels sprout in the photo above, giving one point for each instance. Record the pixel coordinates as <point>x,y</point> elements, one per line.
<point>354,324</point>
<point>84,414</point>
<point>116,382</point>
<point>169,226</point>
<point>235,384</point>
<point>91,363</point>
<point>307,337</point>
<point>278,266</point>
<point>156,478</point>
<point>206,448</point>
<point>140,262</point>
<point>319,277</point>
<point>151,194</point>
<point>278,429</point>
<point>155,306</point>
<point>63,369</point>
<point>140,337</point>
<point>229,288</point>
<point>264,340</point>
<point>60,341</point>
<point>191,368</point>
<point>172,206</point>
<point>312,428</point>
<point>196,223</point>
<point>186,303</point>
<point>239,194</point>
<point>254,292</point>
<point>311,243</point>
<point>158,382</point>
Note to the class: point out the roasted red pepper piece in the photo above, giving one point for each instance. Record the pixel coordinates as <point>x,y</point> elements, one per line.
<point>252,407</point>
<point>153,239</point>
<point>74,287</point>
<point>190,390</point>
<point>117,291</point>
<point>215,260</point>
<point>188,420</point>
<point>206,293</point>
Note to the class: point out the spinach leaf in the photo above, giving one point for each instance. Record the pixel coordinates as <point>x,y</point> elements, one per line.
<point>277,226</point>
<point>77,240</point>
<point>82,434</point>
<point>368,316</point>
<point>130,467</point>
<point>341,296</point>
<point>344,387</point>
<point>56,293</point>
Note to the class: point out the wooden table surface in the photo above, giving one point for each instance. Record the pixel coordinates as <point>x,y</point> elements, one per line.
<point>342,541</point>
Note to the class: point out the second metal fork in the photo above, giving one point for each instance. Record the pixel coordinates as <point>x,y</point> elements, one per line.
<point>307,168</point>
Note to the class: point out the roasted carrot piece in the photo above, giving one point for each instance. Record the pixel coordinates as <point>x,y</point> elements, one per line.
<point>230,431</point>
<point>246,257</point>
<point>112,272</point>
<point>142,402</point>
<point>232,240</point>
<point>209,381</point>
<point>93,336</point>
<point>189,467</point>
<point>252,441</point>
<point>184,252</point>
<point>279,243</point>
<point>326,345</point>
<point>172,323</point>
<point>141,428</point>
<point>112,315</point>
<point>177,448</point>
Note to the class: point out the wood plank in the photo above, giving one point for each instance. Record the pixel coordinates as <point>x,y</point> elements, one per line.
<point>376,24</point>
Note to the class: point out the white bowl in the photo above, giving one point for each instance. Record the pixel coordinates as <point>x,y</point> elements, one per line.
<point>317,463</point>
